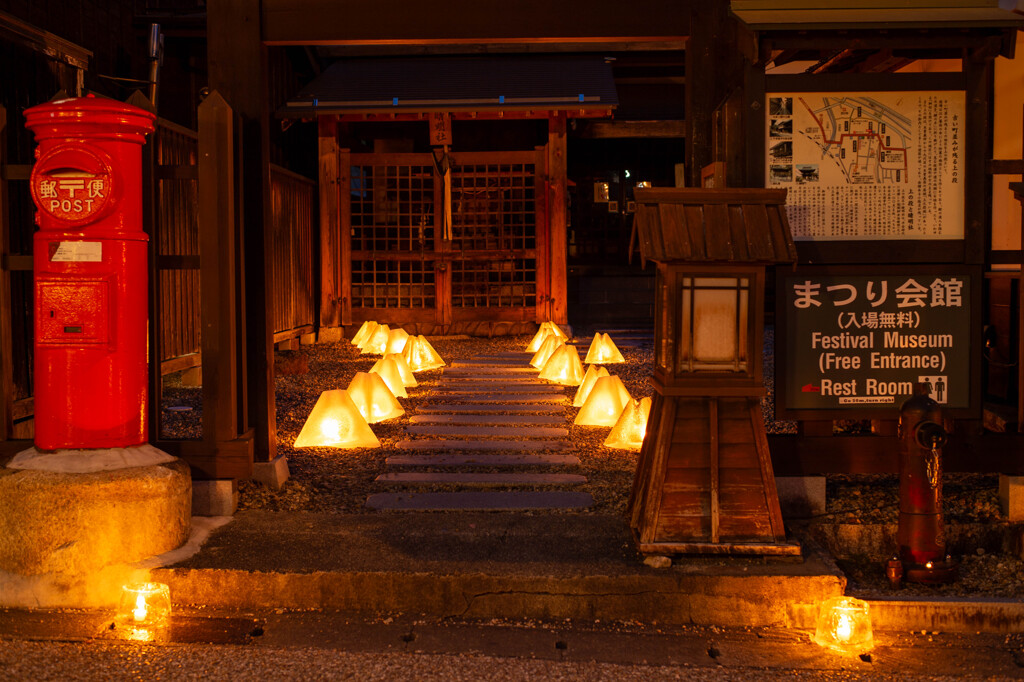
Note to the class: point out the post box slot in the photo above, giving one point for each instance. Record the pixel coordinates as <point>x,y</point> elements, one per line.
<point>73,311</point>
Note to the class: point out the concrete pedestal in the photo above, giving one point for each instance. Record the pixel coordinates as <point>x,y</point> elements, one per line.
<point>76,512</point>
<point>1011,496</point>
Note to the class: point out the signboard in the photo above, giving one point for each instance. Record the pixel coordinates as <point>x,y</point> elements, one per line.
<point>855,341</point>
<point>868,165</point>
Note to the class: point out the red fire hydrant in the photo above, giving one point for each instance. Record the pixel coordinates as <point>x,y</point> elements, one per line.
<point>922,540</point>
<point>91,363</point>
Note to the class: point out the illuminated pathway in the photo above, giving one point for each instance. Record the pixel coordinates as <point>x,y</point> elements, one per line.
<point>491,418</point>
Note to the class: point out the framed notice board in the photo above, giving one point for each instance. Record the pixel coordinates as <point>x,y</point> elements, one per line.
<point>851,341</point>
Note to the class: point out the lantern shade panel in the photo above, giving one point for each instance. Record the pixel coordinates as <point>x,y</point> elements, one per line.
<point>563,367</point>
<point>629,431</point>
<point>546,350</point>
<point>594,373</point>
<point>373,398</point>
<point>388,371</point>
<point>377,342</point>
<point>397,339</point>
<point>844,625</point>
<point>337,423</point>
<point>603,351</point>
<point>714,323</point>
<point>364,332</point>
<point>604,404</point>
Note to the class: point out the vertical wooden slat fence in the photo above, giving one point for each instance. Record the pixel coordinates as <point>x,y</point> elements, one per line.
<point>293,197</point>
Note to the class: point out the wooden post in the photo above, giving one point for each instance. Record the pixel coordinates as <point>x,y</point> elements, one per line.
<point>557,169</point>
<point>543,240</point>
<point>237,60</point>
<point>344,239</point>
<point>442,250</point>
<point>330,229</point>
<point>6,330</point>
<point>223,416</point>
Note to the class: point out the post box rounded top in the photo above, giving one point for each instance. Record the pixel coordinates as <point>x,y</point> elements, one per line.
<point>91,118</point>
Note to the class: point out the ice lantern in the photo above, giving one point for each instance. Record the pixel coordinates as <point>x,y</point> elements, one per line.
<point>420,355</point>
<point>408,378</point>
<point>604,404</point>
<point>603,351</point>
<point>547,349</point>
<point>589,379</point>
<point>844,625</point>
<point>538,340</point>
<point>365,331</point>
<point>629,431</point>
<point>563,367</point>
<point>397,339</point>
<point>376,343</point>
<point>388,371</point>
<point>336,422</point>
<point>144,606</point>
<point>374,399</point>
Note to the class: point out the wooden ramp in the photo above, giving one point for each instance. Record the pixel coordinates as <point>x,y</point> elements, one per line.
<point>491,424</point>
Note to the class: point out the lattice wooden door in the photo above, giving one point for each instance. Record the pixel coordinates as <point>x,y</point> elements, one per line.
<point>405,272</point>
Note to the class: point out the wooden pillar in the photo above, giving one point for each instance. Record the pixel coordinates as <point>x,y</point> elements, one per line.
<point>975,150</point>
<point>237,62</point>
<point>6,328</point>
<point>714,66</point>
<point>557,195</point>
<point>224,419</point>
<point>330,229</point>
<point>540,183</point>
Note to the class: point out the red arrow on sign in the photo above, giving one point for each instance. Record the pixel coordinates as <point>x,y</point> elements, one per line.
<point>810,388</point>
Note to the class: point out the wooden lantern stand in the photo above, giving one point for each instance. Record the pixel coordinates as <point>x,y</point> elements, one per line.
<point>704,482</point>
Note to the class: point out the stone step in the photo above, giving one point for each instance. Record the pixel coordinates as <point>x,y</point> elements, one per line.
<point>456,459</point>
<point>525,369</point>
<point>495,379</point>
<point>472,363</point>
<point>511,478</point>
<point>511,446</point>
<point>486,431</point>
<point>446,408</point>
<point>510,397</point>
<point>501,387</point>
<point>506,387</point>
<point>498,420</point>
<point>480,501</point>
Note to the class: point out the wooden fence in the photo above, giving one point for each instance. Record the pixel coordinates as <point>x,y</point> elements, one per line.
<point>176,249</point>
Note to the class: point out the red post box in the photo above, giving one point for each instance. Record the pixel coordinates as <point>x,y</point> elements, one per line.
<point>91,357</point>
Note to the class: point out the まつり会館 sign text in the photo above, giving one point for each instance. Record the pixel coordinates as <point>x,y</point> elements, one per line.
<point>857,342</point>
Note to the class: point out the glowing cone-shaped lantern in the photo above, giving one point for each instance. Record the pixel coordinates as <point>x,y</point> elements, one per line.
<point>546,350</point>
<point>603,351</point>
<point>408,378</point>
<point>337,423</point>
<point>388,371</point>
<point>538,339</point>
<point>589,379</point>
<point>364,332</point>
<point>421,355</point>
<point>563,367</point>
<point>604,404</point>
<point>377,342</point>
<point>629,431</point>
<point>555,329</point>
<point>374,399</point>
<point>397,339</point>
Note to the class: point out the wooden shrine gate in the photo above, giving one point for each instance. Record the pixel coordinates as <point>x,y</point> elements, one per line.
<point>405,270</point>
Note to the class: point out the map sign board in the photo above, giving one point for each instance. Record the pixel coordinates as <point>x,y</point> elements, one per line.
<point>868,165</point>
<point>856,341</point>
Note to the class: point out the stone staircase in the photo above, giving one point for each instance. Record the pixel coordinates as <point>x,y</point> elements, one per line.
<point>491,423</point>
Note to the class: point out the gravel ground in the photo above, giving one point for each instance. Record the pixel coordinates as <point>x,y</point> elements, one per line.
<point>326,480</point>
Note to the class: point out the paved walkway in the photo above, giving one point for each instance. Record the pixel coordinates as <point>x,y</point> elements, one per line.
<point>490,419</point>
